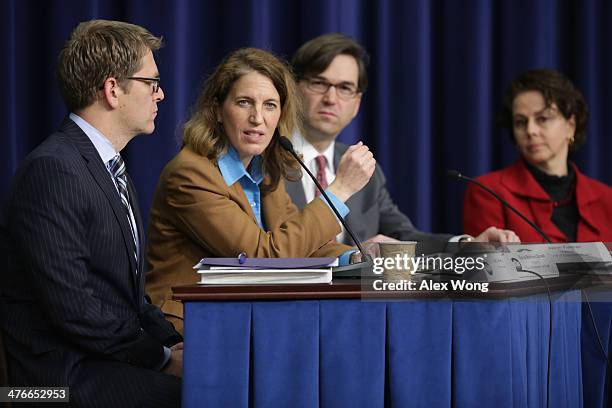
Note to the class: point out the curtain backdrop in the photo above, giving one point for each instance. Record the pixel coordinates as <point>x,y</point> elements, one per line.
<point>438,71</point>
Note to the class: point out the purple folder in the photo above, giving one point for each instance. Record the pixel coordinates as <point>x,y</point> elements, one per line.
<point>267,263</point>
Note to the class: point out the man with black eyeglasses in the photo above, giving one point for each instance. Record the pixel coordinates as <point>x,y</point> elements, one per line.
<point>72,303</point>
<point>332,77</point>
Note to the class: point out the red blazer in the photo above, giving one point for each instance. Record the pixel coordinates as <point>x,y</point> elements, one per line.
<point>516,185</point>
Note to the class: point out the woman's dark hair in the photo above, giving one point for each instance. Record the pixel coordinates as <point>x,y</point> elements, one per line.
<point>556,89</point>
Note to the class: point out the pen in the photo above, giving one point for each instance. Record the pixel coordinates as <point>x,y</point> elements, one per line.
<point>242,257</point>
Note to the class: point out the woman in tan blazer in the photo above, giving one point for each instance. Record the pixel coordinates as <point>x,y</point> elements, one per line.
<point>224,194</point>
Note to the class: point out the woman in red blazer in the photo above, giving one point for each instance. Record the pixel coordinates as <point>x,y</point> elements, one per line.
<point>547,116</point>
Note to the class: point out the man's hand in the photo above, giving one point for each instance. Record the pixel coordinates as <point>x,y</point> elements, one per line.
<point>493,234</point>
<point>175,364</point>
<point>371,248</point>
<point>380,238</point>
<point>354,171</point>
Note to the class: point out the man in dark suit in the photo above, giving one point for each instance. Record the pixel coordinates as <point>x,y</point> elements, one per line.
<point>331,74</point>
<point>73,308</point>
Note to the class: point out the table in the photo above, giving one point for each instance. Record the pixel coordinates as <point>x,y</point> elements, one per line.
<point>597,386</point>
<point>321,345</point>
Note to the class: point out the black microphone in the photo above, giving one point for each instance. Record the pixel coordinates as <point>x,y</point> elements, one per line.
<point>287,145</point>
<point>455,174</point>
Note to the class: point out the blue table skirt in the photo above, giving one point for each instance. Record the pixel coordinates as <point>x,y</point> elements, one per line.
<point>597,387</point>
<point>349,353</point>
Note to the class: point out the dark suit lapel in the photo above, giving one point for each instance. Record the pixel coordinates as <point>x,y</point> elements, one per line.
<point>295,189</point>
<point>139,226</point>
<point>102,177</point>
<point>354,217</point>
<point>339,149</point>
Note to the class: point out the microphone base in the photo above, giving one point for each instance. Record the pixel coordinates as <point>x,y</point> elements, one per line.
<point>355,271</point>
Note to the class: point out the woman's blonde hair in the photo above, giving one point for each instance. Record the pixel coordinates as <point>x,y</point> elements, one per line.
<point>203,134</point>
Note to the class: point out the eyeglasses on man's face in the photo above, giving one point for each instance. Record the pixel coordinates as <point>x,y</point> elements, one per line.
<point>345,90</point>
<point>153,81</point>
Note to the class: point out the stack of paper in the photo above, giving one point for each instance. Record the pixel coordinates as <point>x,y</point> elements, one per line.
<point>517,262</point>
<point>229,271</point>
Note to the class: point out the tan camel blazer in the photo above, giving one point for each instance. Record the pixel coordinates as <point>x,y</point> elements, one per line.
<point>195,214</point>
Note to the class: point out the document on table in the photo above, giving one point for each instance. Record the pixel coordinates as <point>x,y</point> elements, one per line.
<point>549,260</point>
<point>257,271</point>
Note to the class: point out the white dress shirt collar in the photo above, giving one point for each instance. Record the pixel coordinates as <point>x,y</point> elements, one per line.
<point>103,146</point>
